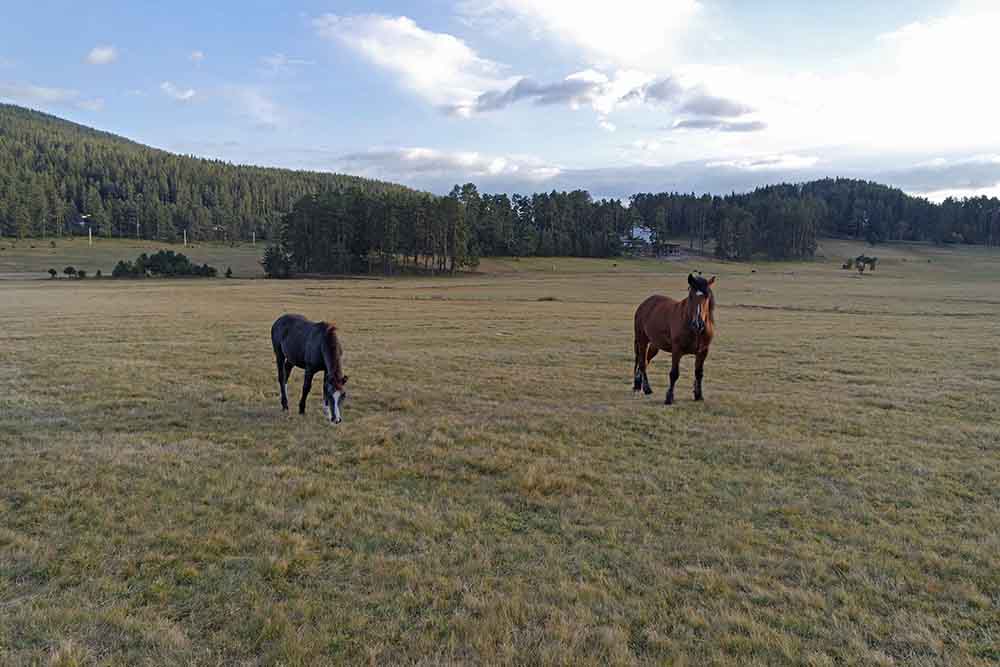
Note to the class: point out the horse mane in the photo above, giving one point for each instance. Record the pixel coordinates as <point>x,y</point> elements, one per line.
<point>332,344</point>
<point>331,339</point>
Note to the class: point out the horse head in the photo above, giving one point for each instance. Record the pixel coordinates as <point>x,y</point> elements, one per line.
<point>334,386</point>
<point>335,395</point>
<point>701,302</point>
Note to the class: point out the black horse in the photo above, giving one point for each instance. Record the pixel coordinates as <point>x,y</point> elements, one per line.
<point>313,347</point>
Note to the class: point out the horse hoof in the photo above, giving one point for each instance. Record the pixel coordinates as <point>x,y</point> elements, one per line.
<point>699,397</point>
<point>669,401</point>
<point>647,391</point>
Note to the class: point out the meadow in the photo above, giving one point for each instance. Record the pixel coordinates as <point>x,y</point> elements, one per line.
<point>32,258</point>
<point>497,494</point>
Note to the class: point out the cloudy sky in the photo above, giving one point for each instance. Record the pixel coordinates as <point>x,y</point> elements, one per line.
<point>526,95</point>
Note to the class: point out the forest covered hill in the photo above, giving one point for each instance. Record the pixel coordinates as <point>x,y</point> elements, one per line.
<point>53,171</point>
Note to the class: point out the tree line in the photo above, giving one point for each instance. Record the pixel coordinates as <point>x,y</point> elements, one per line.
<point>356,231</point>
<point>783,221</point>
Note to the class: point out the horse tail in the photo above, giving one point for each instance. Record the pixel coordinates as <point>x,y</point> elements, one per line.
<point>640,344</point>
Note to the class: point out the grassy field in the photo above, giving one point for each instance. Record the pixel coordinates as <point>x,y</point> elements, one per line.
<point>32,258</point>
<point>496,494</point>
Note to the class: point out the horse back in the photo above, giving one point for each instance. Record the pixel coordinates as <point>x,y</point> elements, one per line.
<point>298,339</point>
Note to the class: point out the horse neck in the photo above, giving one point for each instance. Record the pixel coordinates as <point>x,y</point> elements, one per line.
<point>331,358</point>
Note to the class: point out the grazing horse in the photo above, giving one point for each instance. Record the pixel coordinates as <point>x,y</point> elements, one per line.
<point>677,327</point>
<point>313,347</point>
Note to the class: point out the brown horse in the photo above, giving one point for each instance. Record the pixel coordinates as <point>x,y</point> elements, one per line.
<point>677,327</point>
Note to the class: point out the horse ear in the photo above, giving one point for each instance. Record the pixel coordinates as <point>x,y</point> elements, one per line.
<point>344,380</point>
<point>711,281</point>
<point>691,279</point>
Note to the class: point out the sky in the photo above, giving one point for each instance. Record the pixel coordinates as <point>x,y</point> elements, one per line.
<point>534,95</point>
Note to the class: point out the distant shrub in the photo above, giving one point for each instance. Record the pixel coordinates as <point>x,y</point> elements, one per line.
<point>98,274</point>
<point>53,273</point>
<point>124,269</point>
<point>81,274</point>
<point>164,263</point>
<point>277,262</point>
<point>52,244</point>
<point>229,272</point>
<point>69,271</point>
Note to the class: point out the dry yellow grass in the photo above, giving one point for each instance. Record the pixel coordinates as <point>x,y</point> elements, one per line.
<point>496,494</point>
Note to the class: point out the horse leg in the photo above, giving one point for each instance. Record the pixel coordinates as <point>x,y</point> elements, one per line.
<point>282,377</point>
<point>647,358</point>
<point>675,372</point>
<point>288,374</point>
<point>640,361</point>
<point>699,373</point>
<point>306,386</point>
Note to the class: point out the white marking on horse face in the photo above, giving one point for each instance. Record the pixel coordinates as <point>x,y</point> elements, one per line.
<point>336,408</point>
<point>700,293</point>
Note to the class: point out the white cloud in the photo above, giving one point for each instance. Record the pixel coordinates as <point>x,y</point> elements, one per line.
<point>631,33</point>
<point>916,89</point>
<point>431,165</point>
<point>439,67</point>
<point>37,94</point>
<point>768,162</point>
<point>96,104</point>
<point>279,61</point>
<point>102,55</point>
<point>197,56</point>
<point>256,105</point>
<point>647,145</point>
<point>175,93</point>
<point>449,74</point>
<point>6,62</point>
<point>961,193</point>
<point>32,95</point>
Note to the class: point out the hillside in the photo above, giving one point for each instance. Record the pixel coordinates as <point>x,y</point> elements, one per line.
<point>53,171</point>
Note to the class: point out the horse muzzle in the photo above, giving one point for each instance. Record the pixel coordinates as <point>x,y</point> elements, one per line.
<point>698,325</point>
<point>335,407</point>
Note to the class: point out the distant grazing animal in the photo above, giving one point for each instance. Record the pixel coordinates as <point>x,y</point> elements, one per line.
<point>866,261</point>
<point>313,347</point>
<point>678,327</point>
